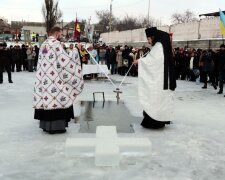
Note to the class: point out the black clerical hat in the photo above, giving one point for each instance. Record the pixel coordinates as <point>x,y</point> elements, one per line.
<point>151,31</point>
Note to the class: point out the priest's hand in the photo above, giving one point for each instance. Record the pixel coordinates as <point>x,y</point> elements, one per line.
<point>135,61</point>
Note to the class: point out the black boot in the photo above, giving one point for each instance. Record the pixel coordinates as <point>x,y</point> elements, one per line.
<point>57,131</point>
<point>10,81</point>
<point>151,123</point>
<point>167,122</point>
<point>204,87</point>
<point>146,123</point>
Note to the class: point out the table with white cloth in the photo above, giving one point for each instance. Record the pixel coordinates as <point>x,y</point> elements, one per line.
<point>94,69</point>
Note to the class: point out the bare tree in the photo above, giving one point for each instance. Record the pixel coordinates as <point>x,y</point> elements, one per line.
<point>187,16</point>
<point>145,22</point>
<point>3,19</point>
<point>104,20</point>
<point>4,26</point>
<point>177,18</point>
<point>128,23</point>
<point>51,13</point>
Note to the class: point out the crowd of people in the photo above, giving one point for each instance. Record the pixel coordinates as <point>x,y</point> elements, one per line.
<point>17,58</point>
<point>118,59</point>
<point>203,65</point>
<point>207,66</point>
<point>190,64</point>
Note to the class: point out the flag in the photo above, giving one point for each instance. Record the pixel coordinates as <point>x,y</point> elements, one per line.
<point>222,23</point>
<point>27,38</point>
<point>77,31</point>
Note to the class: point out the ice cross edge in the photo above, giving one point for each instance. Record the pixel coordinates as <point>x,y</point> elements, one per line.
<point>107,147</point>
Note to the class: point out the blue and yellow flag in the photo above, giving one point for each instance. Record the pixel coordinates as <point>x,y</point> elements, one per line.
<point>222,23</point>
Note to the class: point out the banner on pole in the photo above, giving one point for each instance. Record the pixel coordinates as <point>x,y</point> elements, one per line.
<point>27,38</point>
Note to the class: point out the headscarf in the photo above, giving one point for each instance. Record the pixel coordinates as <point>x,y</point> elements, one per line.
<point>169,67</point>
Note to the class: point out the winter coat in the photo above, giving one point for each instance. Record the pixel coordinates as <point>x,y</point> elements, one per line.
<point>5,57</point>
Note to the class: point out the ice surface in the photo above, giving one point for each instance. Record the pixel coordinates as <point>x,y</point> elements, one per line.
<point>106,132</point>
<point>107,146</point>
<point>107,152</point>
<point>80,146</point>
<point>192,148</point>
<point>136,146</point>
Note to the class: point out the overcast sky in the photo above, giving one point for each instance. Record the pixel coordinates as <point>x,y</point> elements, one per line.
<point>30,10</point>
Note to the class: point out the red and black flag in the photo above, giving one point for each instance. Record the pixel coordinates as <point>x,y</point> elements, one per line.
<point>77,31</point>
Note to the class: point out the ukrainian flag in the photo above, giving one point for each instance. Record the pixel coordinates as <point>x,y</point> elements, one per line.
<point>222,23</point>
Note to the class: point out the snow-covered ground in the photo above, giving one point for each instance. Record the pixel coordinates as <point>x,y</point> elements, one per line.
<point>191,148</point>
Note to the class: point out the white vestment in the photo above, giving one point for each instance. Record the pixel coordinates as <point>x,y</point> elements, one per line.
<point>156,102</point>
<point>191,63</point>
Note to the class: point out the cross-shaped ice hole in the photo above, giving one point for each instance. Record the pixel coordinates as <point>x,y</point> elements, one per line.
<point>107,147</point>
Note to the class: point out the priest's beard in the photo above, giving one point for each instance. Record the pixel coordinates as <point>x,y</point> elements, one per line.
<point>59,39</point>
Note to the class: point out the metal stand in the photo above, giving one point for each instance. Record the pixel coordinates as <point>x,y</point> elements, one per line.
<point>103,95</point>
<point>117,91</point>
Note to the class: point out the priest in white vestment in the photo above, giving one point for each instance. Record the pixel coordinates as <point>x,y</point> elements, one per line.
<point>58,82</point>
<point>156,74</point>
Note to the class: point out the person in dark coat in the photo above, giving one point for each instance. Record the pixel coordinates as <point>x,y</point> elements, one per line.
<point>5,62</point>
<point>36,49</point>
<point>177,61</point>
<point>221,67</point>
<point>17,58</point>
<point>184,64</point>
<point>111,59</point>
<point>207,64</point>
<point>24,58</point>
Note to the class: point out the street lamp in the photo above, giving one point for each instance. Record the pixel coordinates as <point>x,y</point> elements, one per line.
<point>62,24</point>
<point>149,2</point>
<point>107,27</point>
<point>110,17</point>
